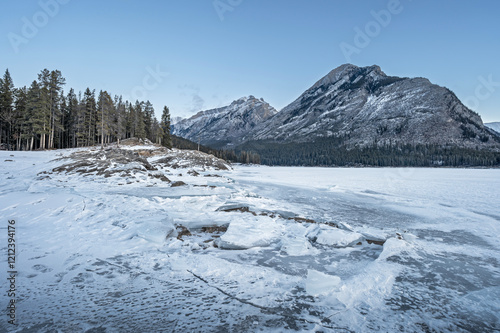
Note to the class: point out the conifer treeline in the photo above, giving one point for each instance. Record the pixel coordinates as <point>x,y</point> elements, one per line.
<point>42,116</point>
<point>332,152</point>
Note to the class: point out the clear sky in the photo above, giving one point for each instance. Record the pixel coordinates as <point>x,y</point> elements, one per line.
<point>193,55</point>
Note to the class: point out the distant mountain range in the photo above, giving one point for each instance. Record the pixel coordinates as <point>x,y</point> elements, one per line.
<point>351,108</point>
<point>228,125</point>
<point>494,126</point>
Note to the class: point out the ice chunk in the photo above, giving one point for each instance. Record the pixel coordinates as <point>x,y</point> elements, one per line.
<point>259,231</point>
<point>395,247</point>
<point>295,243</point>
<point>156,232</point>
<point>297,246</point>
<point>318,283</point>
<point>327,235</point>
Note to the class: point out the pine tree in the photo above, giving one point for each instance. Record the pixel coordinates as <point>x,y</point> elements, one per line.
<point>157,132</point>
<point>55,88</point>
<point>6,107</point>
<point>165,126</point>
<point>64,127</point>
<point>81,122</point>
<point>19,116</point>
<point>71,119</point>
<point>1,115</point>
<point>139,124</point>
<point>129,120</point>
<point>105,108</point>
<point>42,114</point>
<point>120,119</point>
<point>33,106</point>
<point>149,114</point>
<point>90,114</point>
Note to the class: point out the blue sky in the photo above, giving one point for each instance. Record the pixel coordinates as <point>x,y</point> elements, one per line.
<point>199,54</point>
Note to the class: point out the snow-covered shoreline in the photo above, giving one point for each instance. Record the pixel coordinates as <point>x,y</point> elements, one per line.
<point>268,249</point>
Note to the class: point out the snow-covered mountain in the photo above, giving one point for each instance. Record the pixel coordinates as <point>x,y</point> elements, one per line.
<point>365,106</point>
<point>222,127</point>
<point>356,106</point>
<point>175,120</point>
<point>494,126</point>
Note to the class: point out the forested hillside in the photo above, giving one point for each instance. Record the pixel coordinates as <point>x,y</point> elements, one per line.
<point>330,152</point>
<point>44,116</point>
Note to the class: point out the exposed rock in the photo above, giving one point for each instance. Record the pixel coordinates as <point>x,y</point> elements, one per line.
<point>105,162</point>
<point>215,229</point>
<point>243,208</point>
<point>182,231</point>
<point>176,159</point>
<point>376,242</point>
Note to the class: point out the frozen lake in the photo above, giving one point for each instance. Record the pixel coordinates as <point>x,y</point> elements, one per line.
<point>92,254</point>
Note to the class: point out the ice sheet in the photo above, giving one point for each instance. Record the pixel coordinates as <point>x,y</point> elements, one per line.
<point>99,252</point>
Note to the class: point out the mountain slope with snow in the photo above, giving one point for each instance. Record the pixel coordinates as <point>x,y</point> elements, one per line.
<point>364,106</point>
<point>353,109</point>
<point>223,126</point>
<point>494,126</point>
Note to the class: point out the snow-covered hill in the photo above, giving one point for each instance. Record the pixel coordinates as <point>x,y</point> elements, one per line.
<point>223,126</point>
<point>494,126</point>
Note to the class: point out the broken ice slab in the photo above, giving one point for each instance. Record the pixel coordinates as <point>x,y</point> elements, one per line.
<point>326,235</point>
<point>258,231</point>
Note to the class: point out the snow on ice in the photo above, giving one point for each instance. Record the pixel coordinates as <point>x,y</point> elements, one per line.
<point>141,239</point>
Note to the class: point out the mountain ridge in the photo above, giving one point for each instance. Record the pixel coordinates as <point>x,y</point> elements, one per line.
<point>349,108</point>
<point>494,126</point>
<point>231,123</point>
<point>366,106</point>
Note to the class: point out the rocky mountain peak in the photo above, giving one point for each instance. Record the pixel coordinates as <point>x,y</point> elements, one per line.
<point>362,106</point>
<point>350,73</point>
<point>350,108</point>
<point>220,127</point>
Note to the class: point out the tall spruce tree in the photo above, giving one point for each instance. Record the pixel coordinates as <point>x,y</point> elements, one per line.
<point>71,118</point>
<point>157,132</point>
<point>33,107</point>
<point>19,119</point>
<point>165,126</point>
<point>6,107</point>
<point>90,117</point>
<point>51,83</point>
<point>43,112</point>
<point>149,114</point>
<point>139,124</point>
<point>120,118</point>
<point>105,113</point>
<point>55,88</point>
